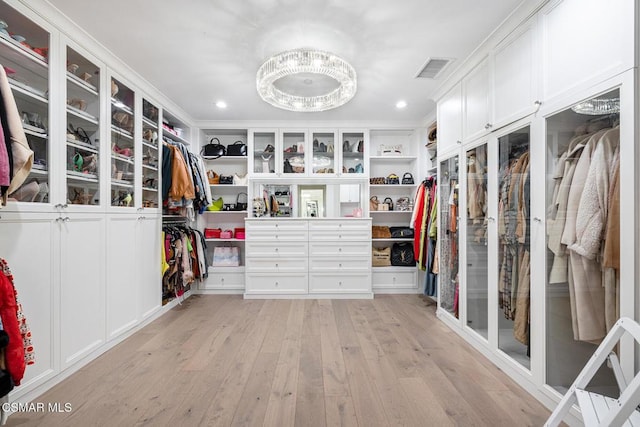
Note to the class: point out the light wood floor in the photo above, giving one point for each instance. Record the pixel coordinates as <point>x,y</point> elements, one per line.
<point>222,360</point>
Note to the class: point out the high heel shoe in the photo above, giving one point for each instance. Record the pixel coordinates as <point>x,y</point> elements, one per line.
<point>42,193</point>
<point>26,193</point>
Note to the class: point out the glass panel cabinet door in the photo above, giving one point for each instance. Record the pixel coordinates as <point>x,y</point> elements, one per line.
<point>293,150</point>
<point>448,201</point>
<point>83,130</point>
<point>583,237</point>
<point>353,146</point>
<point>150,155</point>
<point>477,253</point>
<point>123,178</point>
<point>264,151</point>
<point>514,245</point>
<point>24,48</point>
<point>324,158</point>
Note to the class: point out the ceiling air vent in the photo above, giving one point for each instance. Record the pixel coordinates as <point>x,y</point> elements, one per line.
<point>433,67</point>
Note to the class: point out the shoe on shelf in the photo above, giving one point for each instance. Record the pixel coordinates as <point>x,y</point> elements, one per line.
<point>27,192</point>
<point>42,193</point>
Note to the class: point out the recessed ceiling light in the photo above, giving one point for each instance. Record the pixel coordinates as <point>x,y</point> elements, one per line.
<point>401,104</point>
<point>221,104</point>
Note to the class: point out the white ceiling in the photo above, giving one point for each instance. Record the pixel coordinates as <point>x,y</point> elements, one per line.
<point>200,51</point>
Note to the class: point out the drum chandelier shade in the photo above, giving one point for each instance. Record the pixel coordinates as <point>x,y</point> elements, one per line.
<point>306,80</point>
<point>597,106</point>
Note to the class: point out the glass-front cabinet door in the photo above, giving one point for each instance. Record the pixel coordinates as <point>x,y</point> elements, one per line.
<point>352,148</point>
<point>324,160</point>
<point>150,155</point>
<point>513,227</point>
<point>449,241</point>
<point>477,280</point>
<point>83,130</point>
<point>123,177</point>
<point>293,150</point>
<point>24,49</point>
<point>263,144</point>
<point>583,237</point>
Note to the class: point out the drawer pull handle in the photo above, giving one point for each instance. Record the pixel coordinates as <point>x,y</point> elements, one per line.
<point>276,283</point>
<point>340,265</point>
<point>276,265</point>
<point>277,249</point>
<point>339,283</point>
<point>222,280</point>
<point>339,249</point>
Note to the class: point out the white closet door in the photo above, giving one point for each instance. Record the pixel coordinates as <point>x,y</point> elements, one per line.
<point>148,242</point>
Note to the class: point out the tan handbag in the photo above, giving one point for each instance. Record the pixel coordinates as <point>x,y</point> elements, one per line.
<point>213,177</point>
<point>380,257</point>
<point>380,232</point>
<point>373,203</point>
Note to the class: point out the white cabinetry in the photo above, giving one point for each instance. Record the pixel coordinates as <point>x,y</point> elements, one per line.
<point>450,119</point>
<point>147,265</point>
<point>289,258</point>
<point>477,105</point>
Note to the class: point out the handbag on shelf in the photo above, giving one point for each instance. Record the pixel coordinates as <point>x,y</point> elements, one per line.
<point>401,232</point>
<point>226,256</point>
<point>240,204</point>
<point>239,233</point>
<point>238,148</point>
<point>407,178</point>
<point>373,203</point>
<point>402,255</point>
<point>240,179</point>
<point>216,205</point>
<point>226,234</point>
<point>380,232</point>
<point>403,204</point>
<point>213,150</point>
<point>393,179</point>
<point>226,179</point>
<point>377,180</point>
<point>212,233</point>
<point>213,177</point>
<point>387,201</point>
<point>390,150</point>
<point>380,257</point>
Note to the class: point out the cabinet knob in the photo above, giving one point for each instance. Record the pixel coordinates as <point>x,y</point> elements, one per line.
<point>458,142</point>
<point>537,219</point>
<point>222,280</point>
<point>66,219</point>
<point>339,249</point>
<point>339,283</point>
<point>340,265</point>
<point>394,279</point>
<point>277,249</point>
<point>538,103</point>
<point>490,218</point>
<point>488,126</point>
<point>277,265</point>
<point>277,283</point>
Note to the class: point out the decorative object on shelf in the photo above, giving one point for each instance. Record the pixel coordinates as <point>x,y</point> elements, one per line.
<point>238,148</point>
<point>377,180</point>
<point>90,164</point>
<point>390,150</point>
<point>383,207</point>
<point>297,164</point>
<point>403,204</point>
<point>402,254</point>
<point>286,166</point>
<point>380,257</point>
<point>32,119</point>
<point>283,77</point>
<point>346,147</point>
<point>226,234</point>
<point>597,106</point>
<point>226,256</point>
<point>373,203</point>
<point>72,68</point>
<point>241,202</point>
<point>392,179</point>
<point>212,233</point>
<point>123,120</point>
<point>239,233</point>
<point>86,77</point>
<point>78,134</point>
<point>380,232</point>
<point>81,197</point>
<point>330,148</point>
<point>240,179</point>
<point>389,203</point>
<point>213,150</point>
<point>259,207</point>
<point>78,103</point>
<point>216,205</point>
<point>358,169</point>
<point>114,88</point>
<point>125,151</point>
<point>78,161</point>
<point>226,179</point>
<point>361,146</point>
<point>213,177</point>
<point>151,136</point>
<point>401,232</point>
<point>407,178</point>
<point>300,147</point>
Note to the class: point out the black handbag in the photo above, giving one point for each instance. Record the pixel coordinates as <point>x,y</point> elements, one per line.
<point>226,179</point>
<point>407,178</point>
<point>392,179</point>
<point>402,255</point>
<point>238,148</point>
<point>401,232</point>
<point>213,150</point>
<point>389,202</point>
<point>241,205</point>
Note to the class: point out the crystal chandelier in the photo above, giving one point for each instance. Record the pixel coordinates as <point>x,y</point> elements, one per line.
<point>306,80</point>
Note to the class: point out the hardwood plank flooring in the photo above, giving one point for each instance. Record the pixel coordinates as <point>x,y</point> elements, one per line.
<point>222,360</point>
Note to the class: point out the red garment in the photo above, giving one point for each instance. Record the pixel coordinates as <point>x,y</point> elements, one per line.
<point>14,353</point>
<point>417,225</point>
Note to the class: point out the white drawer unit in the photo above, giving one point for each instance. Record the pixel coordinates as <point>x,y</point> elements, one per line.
<point>340,230</point>
<point>267,230</point>
<point>339,249</point>
<point>394,279</point>
<point>340,283</point>
<point>284,265</point>
<point>223,281</point>
<point>273,284</point>
<point>277,250</point>
<point>339,264</point>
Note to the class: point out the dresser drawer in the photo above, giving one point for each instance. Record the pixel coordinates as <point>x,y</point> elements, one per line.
<point>276,249</point>
<point>340,230</point>
<point>277,283</point>
<point>339,264</point>
<point>224,281</point>
<point>323,248</point>
<point>328,283</point>
<point>394,278</point>
<point>290,265</point>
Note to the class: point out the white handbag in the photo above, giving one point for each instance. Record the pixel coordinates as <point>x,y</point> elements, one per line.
<point>240,179</point>
<point>390,150</point>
